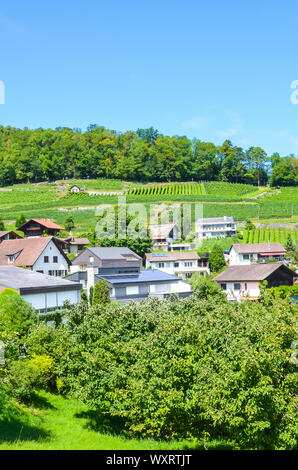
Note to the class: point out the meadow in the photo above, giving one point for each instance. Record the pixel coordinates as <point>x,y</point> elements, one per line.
<point>53,422</point>
<point>54,201</point>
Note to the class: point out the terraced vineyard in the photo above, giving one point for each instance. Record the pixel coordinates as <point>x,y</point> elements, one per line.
<point>171,189</point>
<point>260,235</point>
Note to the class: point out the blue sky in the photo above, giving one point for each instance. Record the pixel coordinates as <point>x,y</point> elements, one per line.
<point>210,70</point>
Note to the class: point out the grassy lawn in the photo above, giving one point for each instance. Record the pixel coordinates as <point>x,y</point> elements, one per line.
<point>57,423</point>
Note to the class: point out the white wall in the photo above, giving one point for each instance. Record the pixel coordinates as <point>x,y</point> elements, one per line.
<point>50,251</point>
<point>52,299</point>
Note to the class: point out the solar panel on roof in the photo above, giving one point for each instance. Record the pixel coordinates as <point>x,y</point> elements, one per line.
<point>159,254</point>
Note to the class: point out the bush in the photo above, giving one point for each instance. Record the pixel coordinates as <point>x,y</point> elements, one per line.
<point>16,315</point>
<point>25,376</point>
<point>188,368</point>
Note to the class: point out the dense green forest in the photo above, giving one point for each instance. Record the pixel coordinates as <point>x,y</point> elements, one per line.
<point>143,155</point>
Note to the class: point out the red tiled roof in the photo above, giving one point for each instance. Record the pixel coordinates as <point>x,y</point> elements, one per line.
<point>47,223</point>
<point>29,250</point>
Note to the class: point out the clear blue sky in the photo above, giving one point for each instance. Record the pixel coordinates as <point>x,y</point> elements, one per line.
<point>211,70</point>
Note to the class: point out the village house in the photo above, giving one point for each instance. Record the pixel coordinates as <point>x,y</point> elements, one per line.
<point>163,235</point>
<point>8,235</point>
<point>181,264</point>
<point>38,227</point>
<point>243,282</point>
<point>41,254</point>
<point>45,293</point>
<point>121,268</point>
<point>215,227</point>
<point>249,253</point>
<point>74,245</point>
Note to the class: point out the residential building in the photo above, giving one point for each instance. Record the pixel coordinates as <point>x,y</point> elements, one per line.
<point>8,235</point>
<point>38,227</point>
<point>181,264</point>
<point>41,254</point>
<point>248,253</point>
<point>215,227</point>
<point>45,293</point>
<point>163,235</point>
<point>121,268</point>
<point>243,282</point>
<point>74,245</point>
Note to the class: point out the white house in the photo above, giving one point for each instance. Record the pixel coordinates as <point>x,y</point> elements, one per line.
<point>243,282</point>
<point>215,227</point>
<point>181,264</point>
<point>249,253</point>
<point>163,235</point>
<point>45,293</point>
<point>40,254</point>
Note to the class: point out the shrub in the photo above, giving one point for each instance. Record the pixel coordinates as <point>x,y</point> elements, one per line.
<point>188,368</point>
<point>16,315</point>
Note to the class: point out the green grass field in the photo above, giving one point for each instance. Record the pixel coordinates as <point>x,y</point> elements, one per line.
<point>57,423</point>
<point>51,200</point>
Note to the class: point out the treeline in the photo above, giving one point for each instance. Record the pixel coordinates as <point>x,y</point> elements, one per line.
<point>145,155</point>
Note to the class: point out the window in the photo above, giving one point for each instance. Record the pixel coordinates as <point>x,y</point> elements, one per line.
<point>246,257</point>
<point>223,286</point>
<point>55,259</point>
<point>11,259</point>
<point>176,265</point>
<point>187,264</point>
<point>46,259</point>
<point>161,265</point>
<point>132,290</point>
<point>237,286</point>
<point>245,286</point>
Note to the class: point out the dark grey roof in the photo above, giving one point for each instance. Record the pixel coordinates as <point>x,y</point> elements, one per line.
<point>24,279</point>
<point>253,272</point>
<point>112,253</point>
<point>145,275</point>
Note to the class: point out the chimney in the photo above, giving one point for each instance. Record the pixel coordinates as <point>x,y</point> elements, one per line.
<point>91,271</point>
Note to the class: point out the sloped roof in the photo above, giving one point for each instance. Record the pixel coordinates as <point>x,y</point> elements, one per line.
<point>114,253</point>
<point>47,223</point>
<point>160,231</point>
<point>6,232</point>
<point>253,272</point>
<point>259,248</point>
<point>75,241</point>
<point>215,220</point>
<point>145,275</point>
<point>29,250</point>
<point>21,279</point>
<point>172,256</point>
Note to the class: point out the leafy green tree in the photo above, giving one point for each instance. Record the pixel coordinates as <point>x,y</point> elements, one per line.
<point>69,223</point>
<point>2,227</point>
<point>221,368</point>
<point>204,287</point>
<point>21,220</point>
<point>289,245</point>
<point>16,315</point>
<point>217,259</point>
<point>101,293</point>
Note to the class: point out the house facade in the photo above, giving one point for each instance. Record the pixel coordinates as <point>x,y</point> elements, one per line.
<point>250,253</point>
<point>163,235</point>
<point>243,282</point>
<point>8,235</point>
<point>121,268</point>
<point>45,293</point>
<point>42,254</point>
<point>215,227</point>
<point>74,245</point>
<point>37,228</point>
<point>181,264</point>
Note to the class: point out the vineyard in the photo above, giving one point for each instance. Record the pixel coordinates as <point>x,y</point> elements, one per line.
<point>215,189</point>
<point>260,235</point>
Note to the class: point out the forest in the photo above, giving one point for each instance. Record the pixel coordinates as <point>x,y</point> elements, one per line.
<point>144,155</point>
